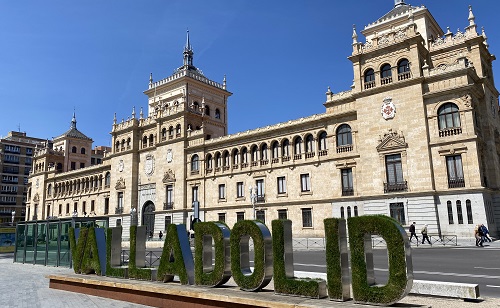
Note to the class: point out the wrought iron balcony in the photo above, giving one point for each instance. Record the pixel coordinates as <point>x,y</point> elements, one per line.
<point>119,210</point>
<point>456,182</point>
<point>168,205</point>
<point>395,187</point>
<point>260,198</point>
<point>347,191</point>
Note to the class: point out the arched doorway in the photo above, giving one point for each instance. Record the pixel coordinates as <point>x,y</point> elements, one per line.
<point>148,217</point>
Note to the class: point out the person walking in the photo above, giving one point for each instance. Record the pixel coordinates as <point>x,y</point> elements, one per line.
<point>160,235</point>
<point>485,232</point>
<point>478,234</point>
<point>412,232</point>
<point>424,234</point>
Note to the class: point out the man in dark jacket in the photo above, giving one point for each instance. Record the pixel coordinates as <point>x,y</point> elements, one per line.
<point>412,232</point>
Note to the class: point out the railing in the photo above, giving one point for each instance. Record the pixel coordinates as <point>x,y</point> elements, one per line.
<point>456,182</point>
<point>386,80</point>
<point>260,199</point>
<point>309,243</point>
<point>452,131</point>
<point>275,160</point>
<point>244,165</point>
<point>264,162</point>
<point>297,156</point>
<point>344,148</point>
<point>404,76</point>
<point>369,85</point>
<point>347,191</point>
<point>395,187</point>
<point>285,158</point>
<point>225,168</point>
<point>118,210</point>
<point>208,170</point>
<point>310,154</point>
<point>323,152</point>
<point>168,205</point>
<point>254,163</point>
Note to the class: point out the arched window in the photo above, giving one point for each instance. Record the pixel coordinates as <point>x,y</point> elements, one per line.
<point>144,141</point>
<point>209,162</point>
<point>236,157</point>
<point>263,152</point>
<point>164,133</point>
<point>217,113</point>
<point>275,148</point>
<point>297,146</point>
<point>107,179</point>
<point>207,110</point>
<point>450,212</point>
<point>344,135</point>
<point>460,214</point>
<point>385,71</point>
<point>73,149</point>
<point>309,144</point>
<point>348,211</point>
<point>403,66</point>
<point>255,154</point>
<point>117,146</point>
<point>322,141</point>
<point>170,132</point>
<point>244,155</point>
<point>218,160</point>
<point>355,211</point>
<point>468,207</point>
<point>128,142</point>
<point>178,130</point>
<point>449,116</point>
<point>225,159</point>
<point>342,215</point>
<point>195,163</point>
<point>49,190</point>
<point>151,140</point>
<point>82,151</point>
<point>196,106</point>
<point>369,79</point>
<point>286,148</point>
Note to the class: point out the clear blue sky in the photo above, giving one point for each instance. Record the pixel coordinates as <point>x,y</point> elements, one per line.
<point>95,56</point>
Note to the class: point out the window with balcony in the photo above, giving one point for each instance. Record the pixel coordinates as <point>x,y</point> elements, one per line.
<point>286,150</point>
<point>403,69</point>
<point>119,208</point>
<point>344,138</point>
<point>397,211</point>
<point>297,147</point>
<point>322,149</point>
<point>275,151</point>
<point>394,173</point>
<point>307,218</point>
<point>263,154</point>
<point>455,171</point>
<point>107,180</point>
<point>260,190</point>
<point>369,79</point>
<point>169,204</point>
<point>209,163</point>
<point>305,182</point>
<point>347,183</point>
<point>385,74</point>
<point>449,120</point>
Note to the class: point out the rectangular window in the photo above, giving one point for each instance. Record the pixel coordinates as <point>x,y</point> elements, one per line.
<point>60,209</point>
<point>195,193</point>
<point>92,206</point>
<point>305,182</point>
<point>307,218</point>
<point>260,190</point>
<point>168,221</point>
<point>450,212</point>
<point>120,200</point>
<point>240,216</point>
<point>261,215</point>
<point>240,190</point>
<point>455,171</point>
<point>170,197</point>
<point>67,208</point>
<point>460,215</point>
<point>84,208</point>
<point>106,206</point>
<point>397,211</point>
<point>282,214</point>
<point>73,165</point>
<point>75,207</point>
<point>118,222</point>
<point>394,169</point>
<point>347,186</point>
<point>222,217</point>
<point>222,191</point>
<point>281,185</point>
<point>82,165</point>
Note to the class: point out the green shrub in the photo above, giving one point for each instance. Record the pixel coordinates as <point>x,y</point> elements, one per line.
<point>174,261</point>
<point>112,271</point>
<point>263,261</point>
<point>219,232</point>
<point>84,252</point>
<point>282,283</point>
<point>134,271</point>
<point>399,283</point>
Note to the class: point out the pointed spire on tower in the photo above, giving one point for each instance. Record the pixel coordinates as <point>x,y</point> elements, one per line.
<point>188,53</point>
<point>399,2</point>
<point>141,114</point>
<point>150,79</point>
<point>73,121</point>
<point>354,35</point>
<point>133,112</point>
<point>471,16</point>
<point>224,82</point>
<point>485,37</point>
<point>114,119</point>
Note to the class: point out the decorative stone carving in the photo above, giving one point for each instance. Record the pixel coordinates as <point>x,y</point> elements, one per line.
<point>391,141</point>
<point>121,165</point>
<point>467,99</point>
<point>169,176</point>
<point>388,109</point>
<point>120,184</point>
<point>170,156</point>
<point>36,198</point>
<point>149,165</point>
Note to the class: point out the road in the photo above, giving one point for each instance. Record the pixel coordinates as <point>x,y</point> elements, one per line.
<point>451,264</point>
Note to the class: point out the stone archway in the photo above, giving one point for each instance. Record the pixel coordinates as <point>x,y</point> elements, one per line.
<point>148,217</point>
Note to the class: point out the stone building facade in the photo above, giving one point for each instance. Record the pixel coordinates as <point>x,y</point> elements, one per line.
<point>416,138</point>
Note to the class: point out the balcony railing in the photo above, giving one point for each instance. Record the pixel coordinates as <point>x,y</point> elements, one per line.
<point>323,152</point>
<point>386,80</point>
<point>285,158</point>
<point>450,131</point>
<point>369,85</point>
<point>456,182</point>
<point>168,205</point>
<point>348,191</point>
<point>310,154</point>
<point>260,198</point>
<point>404,76</point>
<point>118,210</point>
<point>344,148</point>
<point>395,187</point>
<point>297,156</point>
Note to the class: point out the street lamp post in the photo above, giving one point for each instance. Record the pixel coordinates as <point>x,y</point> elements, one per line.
<point>253,198</point>
<point>13,216</point>
<point>133,216</point>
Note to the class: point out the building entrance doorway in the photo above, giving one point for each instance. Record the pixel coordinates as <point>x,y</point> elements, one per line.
<point>148,217</point>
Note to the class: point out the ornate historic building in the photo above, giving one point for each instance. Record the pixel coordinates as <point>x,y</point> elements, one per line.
<point>416,138</point>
